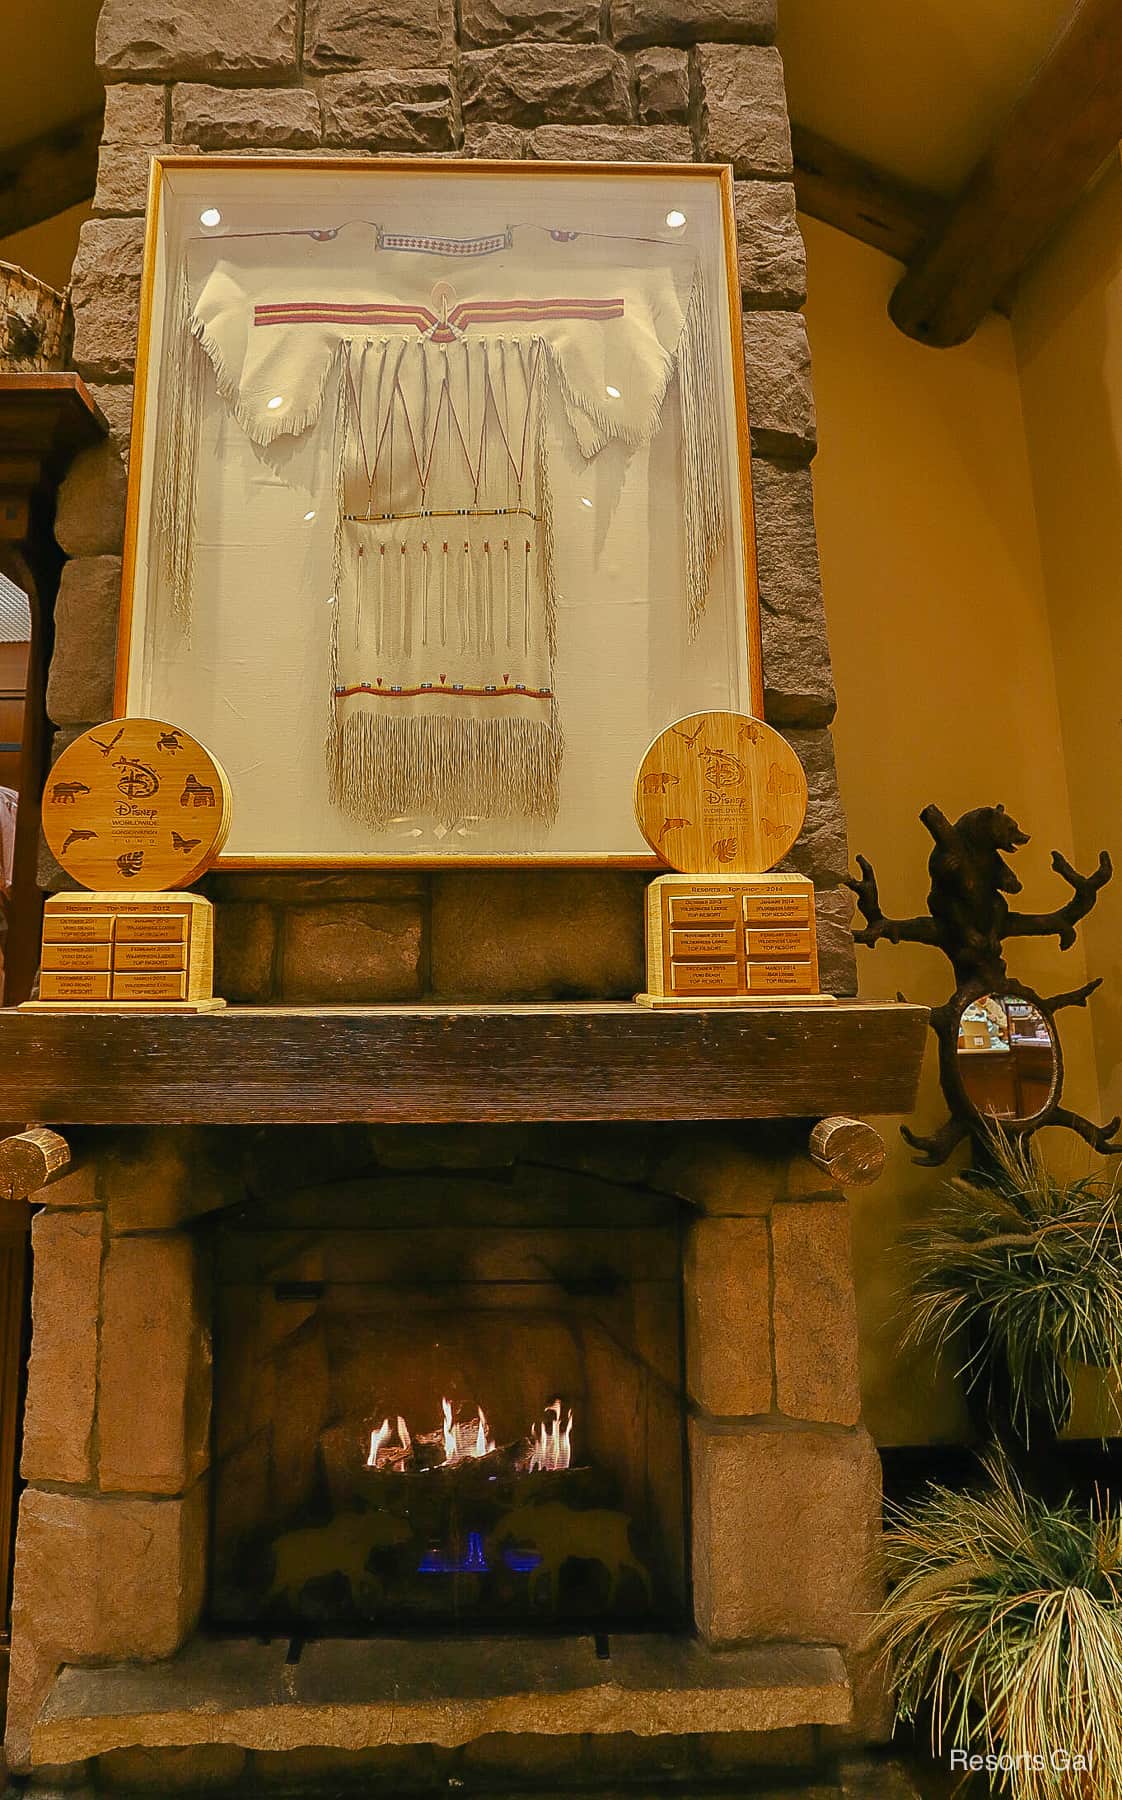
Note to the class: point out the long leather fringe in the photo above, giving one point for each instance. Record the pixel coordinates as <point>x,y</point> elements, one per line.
<point>703,511</point>
<point>176,493</point>
<point>445,769</point>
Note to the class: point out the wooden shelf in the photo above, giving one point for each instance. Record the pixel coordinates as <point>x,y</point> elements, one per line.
<point>459,1064</point>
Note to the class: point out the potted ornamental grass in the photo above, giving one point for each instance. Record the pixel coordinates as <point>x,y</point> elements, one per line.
<point>1004,1620</point>
<point>1023,1270</point>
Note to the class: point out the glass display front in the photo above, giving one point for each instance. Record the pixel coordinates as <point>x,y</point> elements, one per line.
<point>471,1426</point>
<point>440,511</point>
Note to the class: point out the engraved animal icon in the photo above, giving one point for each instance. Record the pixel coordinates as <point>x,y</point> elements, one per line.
<point>196,793</point>
<point>780,782</point>
<point>773,828</point>
<point>723,769</point>
<point>748,731</point>
<point>690,737</point>
<point>725,849</point>
<point>673,825</point>
<point>137,781</point>
<point>64,793</point>
<point>74,837</point>
<point>558,1532</point>
<point>342,1547</point>
<point>108,749</point>
<point>184,844</point>
<point>169,740</point>
<point>131,863</point>
<point>658,781</point>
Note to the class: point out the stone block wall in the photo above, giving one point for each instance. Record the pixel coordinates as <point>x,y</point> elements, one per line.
<point>113,1531</point>
<point>654,80</point>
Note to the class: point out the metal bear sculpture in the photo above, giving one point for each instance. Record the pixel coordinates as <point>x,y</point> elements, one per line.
<point>969,920</point>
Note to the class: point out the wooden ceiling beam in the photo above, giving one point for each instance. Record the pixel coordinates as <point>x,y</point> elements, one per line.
<point>1062,130</point>
<point>45,175</point>
<point>840,189</point>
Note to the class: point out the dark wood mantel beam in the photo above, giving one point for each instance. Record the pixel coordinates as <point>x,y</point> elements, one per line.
<point>842,190</point>
<point>45,175</point>
<point>1066,124</point>
<point>410,1065</point>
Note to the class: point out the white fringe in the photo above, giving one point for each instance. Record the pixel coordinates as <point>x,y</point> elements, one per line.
<point>176,486</point>
<point>445,769</point>
<point>703,496</point>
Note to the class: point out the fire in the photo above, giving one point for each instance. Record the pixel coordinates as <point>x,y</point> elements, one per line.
<point>549,1446</point>
<point>552,1446</point>
<point>379,1438</point>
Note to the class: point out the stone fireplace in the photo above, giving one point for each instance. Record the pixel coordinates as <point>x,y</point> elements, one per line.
<point>449,1401</point>
<point>207,1561</point>
<point>239,1290</point>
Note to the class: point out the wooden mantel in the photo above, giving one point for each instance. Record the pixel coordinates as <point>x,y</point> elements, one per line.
<point>459,1064</point>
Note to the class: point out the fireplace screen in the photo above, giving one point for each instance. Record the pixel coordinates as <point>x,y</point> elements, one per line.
<point>474,1425</point>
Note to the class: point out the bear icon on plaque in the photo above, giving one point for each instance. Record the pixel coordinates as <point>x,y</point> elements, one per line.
<point>114,817</point>
<point>721,798</point>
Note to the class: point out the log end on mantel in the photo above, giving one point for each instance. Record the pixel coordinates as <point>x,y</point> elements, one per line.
<point>29,1160</point>
<point>850,1151</point>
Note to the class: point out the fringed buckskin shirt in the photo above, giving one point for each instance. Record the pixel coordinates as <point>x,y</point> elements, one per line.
<point>446,370</point>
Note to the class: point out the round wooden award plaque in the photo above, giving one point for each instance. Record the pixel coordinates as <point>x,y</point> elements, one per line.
<point>136,803</point>
<point>720,793</point>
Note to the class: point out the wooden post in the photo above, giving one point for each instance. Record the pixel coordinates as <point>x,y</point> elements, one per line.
<point>850,1152</point>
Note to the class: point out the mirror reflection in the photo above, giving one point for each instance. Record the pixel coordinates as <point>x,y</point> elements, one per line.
<point>1006,1057</point>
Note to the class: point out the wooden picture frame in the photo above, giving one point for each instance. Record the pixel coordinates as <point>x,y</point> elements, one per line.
<point>624,592</point>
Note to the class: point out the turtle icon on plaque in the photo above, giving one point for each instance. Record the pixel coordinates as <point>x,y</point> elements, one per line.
<point>112,813</point>
<point>721,798</point>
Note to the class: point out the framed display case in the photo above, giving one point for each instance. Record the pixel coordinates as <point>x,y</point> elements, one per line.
<point>439,500</point>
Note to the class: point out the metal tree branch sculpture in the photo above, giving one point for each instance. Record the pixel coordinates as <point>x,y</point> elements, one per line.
<point>969,920</point>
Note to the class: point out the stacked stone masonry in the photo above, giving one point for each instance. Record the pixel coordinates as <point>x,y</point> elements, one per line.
<point>652,80</point>
<point>112,1545</point>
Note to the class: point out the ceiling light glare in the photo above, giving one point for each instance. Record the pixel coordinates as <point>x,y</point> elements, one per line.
<point>612,393</point>
<point>675,220</point>
<point>210,217</point>
<point>277,400</point>
<point>308,516</point>
<point>585,502</point>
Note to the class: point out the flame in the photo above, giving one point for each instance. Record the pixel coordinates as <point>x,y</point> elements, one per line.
<point>377,1439</point>
<point>450,1449</point>
<point>381,1436</point>
<point>470,1439</point>
<point>552,1445</point>
<point>484,1443</point>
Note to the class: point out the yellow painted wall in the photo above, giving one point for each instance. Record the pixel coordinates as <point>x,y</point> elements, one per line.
<point>1067,330</point>
<point>942,650</point>
<point>47,249</point>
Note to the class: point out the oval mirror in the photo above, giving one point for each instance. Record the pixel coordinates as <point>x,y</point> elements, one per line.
<point>1008,1058</point>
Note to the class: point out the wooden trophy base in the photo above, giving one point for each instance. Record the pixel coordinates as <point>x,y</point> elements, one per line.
<point>731,940</point>
<point>127,953</point>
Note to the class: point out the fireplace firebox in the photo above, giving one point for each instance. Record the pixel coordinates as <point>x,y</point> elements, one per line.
<point>433,1410</point>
